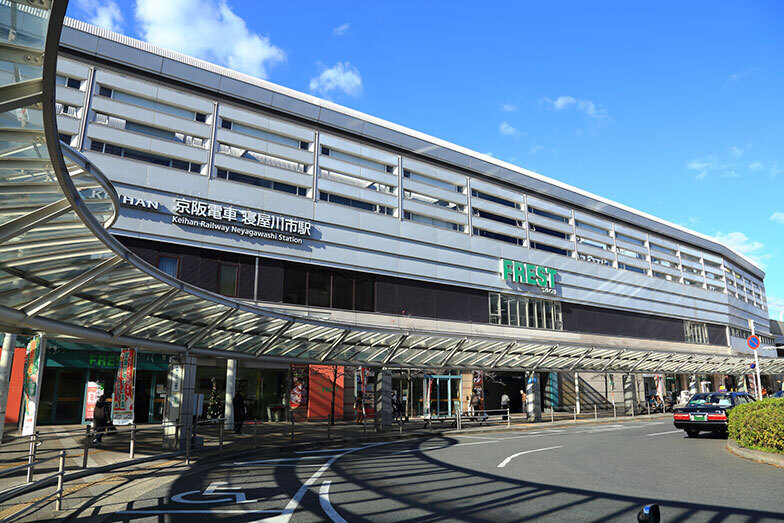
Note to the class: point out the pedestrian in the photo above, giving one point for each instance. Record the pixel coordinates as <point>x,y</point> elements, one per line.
<point>475,400</point>
<point>359,409</point>
<point>101,417</point>
<point>239,412</point>
<point>524,398</point>
<point>505,403</point>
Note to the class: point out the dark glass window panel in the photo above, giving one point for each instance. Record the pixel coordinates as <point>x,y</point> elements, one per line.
<point>226,124</point>
<point>495,217</point>
<point>548,215</point>
<point>113,149</point>
<point>284,187</point>
<point>364,293</point>
<point>545,230</point>
<point>223,173</point>
<point>169,265</point>
<point>195,168</point>
<point>147,157</point>
<point>227,280</point>
<point>319,283</point>
<point>65,138</point>
<point>179,164</point>
<point>96,146</point>
<point>294,278</point>
<point>543,247</point>
<point>497,236</point>
<point>201,117</point>
<point>342,291</point>
<point>494,199</point>
<point>73,83</point>
<point>105,91</point>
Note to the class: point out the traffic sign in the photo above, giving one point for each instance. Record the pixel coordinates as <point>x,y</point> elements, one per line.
<point>753,342</point>
<point>752,365</point>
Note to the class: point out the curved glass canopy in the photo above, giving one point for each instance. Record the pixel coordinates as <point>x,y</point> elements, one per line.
<point>62,273</point>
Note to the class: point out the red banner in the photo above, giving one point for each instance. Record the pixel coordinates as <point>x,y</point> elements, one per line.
<point>122,401</point>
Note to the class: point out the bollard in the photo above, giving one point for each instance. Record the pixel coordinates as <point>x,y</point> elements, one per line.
<point>615,412</point>
<point>459,422</point>
<point>649,409</point>
<point>508,418</point>
<point>255,425</point>
<point>220,435</point>
<point>575,413</point>
<point>188,446</point>
<point>86,447</point>
<point>595,412</point>
<point>31,457</point>
<point>552,414</point>
<point>133,441</point>
<point>60,473</point>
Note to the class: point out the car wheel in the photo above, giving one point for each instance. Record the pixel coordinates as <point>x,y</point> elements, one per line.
<point>692,433</point>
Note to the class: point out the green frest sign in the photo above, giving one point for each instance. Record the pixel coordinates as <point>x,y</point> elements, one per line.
<point>528,273</point>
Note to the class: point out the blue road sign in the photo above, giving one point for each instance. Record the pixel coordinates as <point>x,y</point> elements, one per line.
<point>753,342</point>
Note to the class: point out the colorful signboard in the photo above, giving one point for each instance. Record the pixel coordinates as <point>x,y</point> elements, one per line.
<point>528,273</point>
<point>299,386</point>
<point>92,392</point>
<point>31,388</point>
<point>122,401</point>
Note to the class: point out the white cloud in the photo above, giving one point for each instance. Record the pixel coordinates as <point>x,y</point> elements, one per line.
<point>207,29</point>
<point>340,77</point>
<point>775,307</point>
<point>104,14</point>
<point>508,108</point>
<point>507,130</point>
<point>777,217</point>
<point>741,243</point>
<point>756,166</point>
<point>774,170</point>
<point>535,149</point>
<point>587,107</point>
<point>341,30</point>
<point>737,152</point>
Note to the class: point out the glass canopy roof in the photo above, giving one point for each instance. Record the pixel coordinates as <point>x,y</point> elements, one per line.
<point>63,274</point>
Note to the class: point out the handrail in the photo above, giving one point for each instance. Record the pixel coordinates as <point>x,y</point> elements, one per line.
<point>7,472</point>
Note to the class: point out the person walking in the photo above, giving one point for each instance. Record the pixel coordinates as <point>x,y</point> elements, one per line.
<point>475,401</point>
<point>101,417</point>
<point>505,403</point>
<point>524,399</point>
<point>239,412</point>
<point>360,411</point>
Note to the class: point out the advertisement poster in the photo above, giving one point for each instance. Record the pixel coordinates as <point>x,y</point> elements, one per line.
<point>93,391</point>
<point>31,389</point>
<point>299,386</point>
<point>122,401</point>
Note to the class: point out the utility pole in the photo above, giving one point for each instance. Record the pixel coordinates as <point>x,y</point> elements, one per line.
<point>756,363</point>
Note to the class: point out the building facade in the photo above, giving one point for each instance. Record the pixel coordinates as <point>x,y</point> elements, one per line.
<point>264,194</point>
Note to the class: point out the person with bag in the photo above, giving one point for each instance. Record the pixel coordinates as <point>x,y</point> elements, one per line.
<point>101,417</point>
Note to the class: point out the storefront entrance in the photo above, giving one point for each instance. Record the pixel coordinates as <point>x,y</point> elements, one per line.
<point>442,395</point>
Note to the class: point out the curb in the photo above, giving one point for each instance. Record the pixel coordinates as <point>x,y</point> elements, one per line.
<point>769,458</point>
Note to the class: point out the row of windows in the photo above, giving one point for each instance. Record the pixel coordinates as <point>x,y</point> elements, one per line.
<point>410,195</point>
<point>495,199</point>
<point>743,333</point>
<point>411,175</point>
<point>318,287</point>
<point>261,182</point>
<point>67,81</point>
<point>498,236</point>
<point>358,204</point>
<point>521,311</point>
<point>496,217</point>
<point>427,220</point>
<point>228,273</point>
<point>357,160</point>
<point>266,159</point>
<point>264,135</point>
<point>155,132</point>
<point>696,332</point>
<point>355,182</point>
<point>155,105</point>
<point>155,159</point>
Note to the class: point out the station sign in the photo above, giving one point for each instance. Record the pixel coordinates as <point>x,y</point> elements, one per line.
<point>529,274</point>
<point>227,219</point>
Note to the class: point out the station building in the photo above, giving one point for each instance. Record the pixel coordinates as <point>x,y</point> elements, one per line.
<point>277,198</point>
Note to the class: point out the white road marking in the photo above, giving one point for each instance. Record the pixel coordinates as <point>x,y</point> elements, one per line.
<point>204,511</point>
<point>510,458</point>
<point>326,505</point>
<point>661,433</point>
<point>292,505</point>
<point>324,450</point>
<point>274,460</point>
<point>474,437</point>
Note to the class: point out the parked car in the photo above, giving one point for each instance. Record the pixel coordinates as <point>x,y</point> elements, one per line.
<point>708,412</point>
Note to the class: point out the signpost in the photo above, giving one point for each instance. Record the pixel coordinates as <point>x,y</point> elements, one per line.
<point>754,343</point>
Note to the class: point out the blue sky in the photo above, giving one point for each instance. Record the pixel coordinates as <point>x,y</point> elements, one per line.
<point>673,108</point>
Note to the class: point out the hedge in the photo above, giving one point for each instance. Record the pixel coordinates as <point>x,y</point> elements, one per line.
<point>759,425</point>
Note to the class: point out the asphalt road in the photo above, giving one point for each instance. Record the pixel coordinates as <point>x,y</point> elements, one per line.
<point>582,473</point>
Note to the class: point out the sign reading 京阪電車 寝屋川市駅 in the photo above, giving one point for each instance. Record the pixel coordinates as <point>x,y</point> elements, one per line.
<point>528,273</point>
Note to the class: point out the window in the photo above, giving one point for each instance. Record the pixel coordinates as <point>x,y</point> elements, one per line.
<point>264,135</point>
<point>631,254</point>
<point>319,287</point>
<point>201,117</point>
<point>226,124</point>
<point>547,214</point>
<point>662,276</point>
<point>663,263</point>
<point>116,150</point>
<point>163,134</point>
<point>551,232</point>
<point>696,332</point>
<point>498,236</point>
<point>593,243</point>
<point>261,182</point>
<point>689,257</point>
<point>358,204</point>
<point>431,181</point>
<point>594,259</point>
<point>522,311</point>
<point>155,105</point>
<point>66,110</point>
<point>410,195</point>
<point>169,265</point>
<point>497,217</point>
<point>629,239</point>
<point>249,154</point>
<point>592,228</point>
<point>630,268</point>
<point>227,279</point>
<point>548,248</point>
<point>65,138</point>
<point>104,91</point>
<point>432,221</point>
<point>350,158</point>
<point>663,249</point>
<point>354,181</point>
<point>495,199</point>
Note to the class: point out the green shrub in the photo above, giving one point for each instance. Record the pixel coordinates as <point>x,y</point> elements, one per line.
<point>759,425</point>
